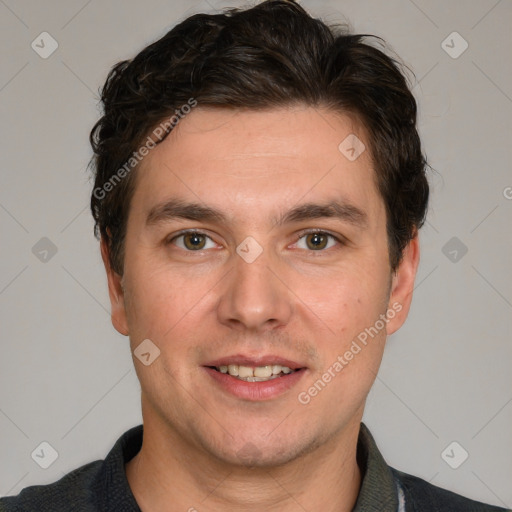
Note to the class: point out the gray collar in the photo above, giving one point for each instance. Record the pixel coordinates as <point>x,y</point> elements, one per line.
<point>378,490</point>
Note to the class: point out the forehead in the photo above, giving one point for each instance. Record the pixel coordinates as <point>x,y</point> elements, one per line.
<point>296,133</point>
<point>248,160</point>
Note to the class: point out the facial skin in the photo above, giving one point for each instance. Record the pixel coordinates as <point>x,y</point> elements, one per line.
<point>293,301</point>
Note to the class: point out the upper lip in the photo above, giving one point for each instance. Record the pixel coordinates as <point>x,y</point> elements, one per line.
<point>252,361</point>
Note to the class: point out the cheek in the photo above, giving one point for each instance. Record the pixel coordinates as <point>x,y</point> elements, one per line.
<point>350,305</point>
<point>156,301</point>
<point>347,301</point>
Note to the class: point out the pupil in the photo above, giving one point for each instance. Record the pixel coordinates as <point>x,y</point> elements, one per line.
<point>318,240</point>
<point>194,241</point>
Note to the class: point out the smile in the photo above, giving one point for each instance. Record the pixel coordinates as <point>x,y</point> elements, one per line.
<point>254,374</point>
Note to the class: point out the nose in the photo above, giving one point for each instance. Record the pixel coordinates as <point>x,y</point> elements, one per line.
<point>254,296</point>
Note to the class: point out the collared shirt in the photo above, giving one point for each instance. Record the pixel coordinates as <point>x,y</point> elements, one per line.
<point>102,486</point>
<point>378,491</point>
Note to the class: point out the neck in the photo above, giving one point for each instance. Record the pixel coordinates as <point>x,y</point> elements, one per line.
<point>169,475</point>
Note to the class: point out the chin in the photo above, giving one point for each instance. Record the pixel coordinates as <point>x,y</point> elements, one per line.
<point>252,456</point>
<point>260,451</point>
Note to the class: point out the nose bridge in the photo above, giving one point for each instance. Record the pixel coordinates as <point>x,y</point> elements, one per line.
<point>253,298</point>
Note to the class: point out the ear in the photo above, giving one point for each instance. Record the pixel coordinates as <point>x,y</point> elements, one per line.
<point>402,285</point>
<point>115,291</point>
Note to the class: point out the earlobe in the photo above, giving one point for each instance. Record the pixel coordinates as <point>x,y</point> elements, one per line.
<point>115,291</point>
<point>402,285</point>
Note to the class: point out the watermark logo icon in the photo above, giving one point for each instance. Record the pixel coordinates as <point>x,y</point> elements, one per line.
<point>44,45</point>
<point>44,250</point>
<point>249,250</point>
<point>454,249</point>
<point>147,352</point>
<point>351,147</point>
<point>454,455</point>
<point>44,455</point>
<point>454,45</point>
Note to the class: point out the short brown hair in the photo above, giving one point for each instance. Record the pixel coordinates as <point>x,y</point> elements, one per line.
<point>271,55</point>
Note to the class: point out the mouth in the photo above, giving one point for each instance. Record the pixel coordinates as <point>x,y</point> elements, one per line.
<point>255,379</point>
<point>255,374</point>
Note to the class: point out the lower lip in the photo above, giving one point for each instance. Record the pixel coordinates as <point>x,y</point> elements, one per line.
<point>256,391</point>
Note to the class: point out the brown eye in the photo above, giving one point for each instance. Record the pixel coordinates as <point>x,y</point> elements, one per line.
<point>316,241</point>
<point>194,241</point>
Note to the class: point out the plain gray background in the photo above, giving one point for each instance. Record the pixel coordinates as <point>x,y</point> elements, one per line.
<point>66,376</point>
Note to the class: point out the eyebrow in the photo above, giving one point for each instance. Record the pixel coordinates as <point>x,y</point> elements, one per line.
<point>178,209</point>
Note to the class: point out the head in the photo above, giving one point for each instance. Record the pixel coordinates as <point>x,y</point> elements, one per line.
<point>262,127</point>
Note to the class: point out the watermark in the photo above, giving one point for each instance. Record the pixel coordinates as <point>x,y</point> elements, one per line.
<point>352,147</point>
<point>249,250</point>
<point>507,192</point>
<point>454,45</point>
<point>44,250</point>
<point>146,352</point>
<point>305,397</point>
<point>44,455</point>
<point>454,249</point>
<point>137,156</point>
<point>44,45</point>
<point>454,455</point>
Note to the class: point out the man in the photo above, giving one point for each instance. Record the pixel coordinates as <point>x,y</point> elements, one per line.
<point>259,186</point>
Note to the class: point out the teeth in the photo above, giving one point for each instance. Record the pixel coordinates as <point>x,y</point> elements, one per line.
<point>245,371</point>
<point>263,371</point>
<point>258,374</point>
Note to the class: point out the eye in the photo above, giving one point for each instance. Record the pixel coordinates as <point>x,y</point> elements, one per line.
<point>316,240</point>
<point>192,241</point>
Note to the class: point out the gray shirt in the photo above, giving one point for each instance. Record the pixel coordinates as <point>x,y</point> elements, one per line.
<point>102,486</point>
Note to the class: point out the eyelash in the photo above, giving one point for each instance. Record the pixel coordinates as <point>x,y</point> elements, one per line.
<point>300,235</point>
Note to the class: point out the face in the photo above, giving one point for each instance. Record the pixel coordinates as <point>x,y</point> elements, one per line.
<point>254,243</point>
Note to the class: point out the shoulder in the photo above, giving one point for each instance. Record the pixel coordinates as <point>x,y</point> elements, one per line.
<point>422,496</point>
<point>76,488</point>
<point>99,485</point>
